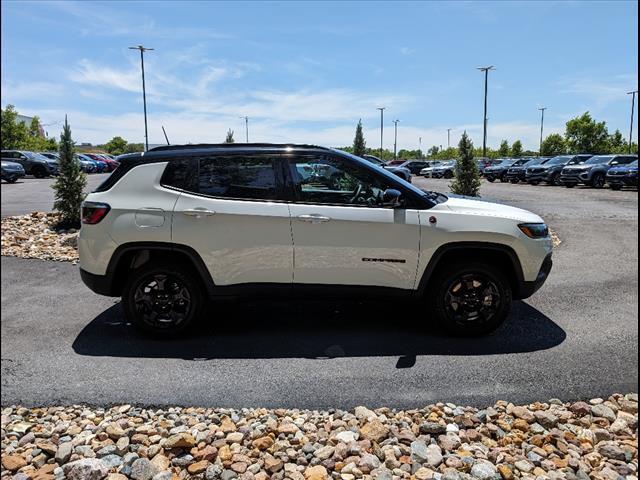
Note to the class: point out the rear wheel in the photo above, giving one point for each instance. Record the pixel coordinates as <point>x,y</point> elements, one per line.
<point>534,182</point>
<point>555,180</point>
<point>448,174</point>
<point>569,185</point>
<point>39,172</point>
<point>514,180</point>
<point>11,180</point>
<point>490,179</point>
<point>162,299</point>
<point>470,299</point>
<point>615,186</point>
<point>597,181</point>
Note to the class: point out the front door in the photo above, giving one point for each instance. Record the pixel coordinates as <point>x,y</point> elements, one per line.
<point>236,221</point>
<point>342,231</point>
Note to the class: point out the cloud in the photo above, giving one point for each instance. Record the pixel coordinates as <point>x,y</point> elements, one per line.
<point>26,90</point>
<point>407,51</point>
<point>600,92</point>
<point>89,73</point>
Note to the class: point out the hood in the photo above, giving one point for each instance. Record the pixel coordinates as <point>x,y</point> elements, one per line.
<point>479,207</point>
<point>580,166</point>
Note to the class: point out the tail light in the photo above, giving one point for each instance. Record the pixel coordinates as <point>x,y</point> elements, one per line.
<point>94,212</point>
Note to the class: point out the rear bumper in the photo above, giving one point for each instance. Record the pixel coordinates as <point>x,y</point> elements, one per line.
<point>527,289</point>
<point>100,284</point>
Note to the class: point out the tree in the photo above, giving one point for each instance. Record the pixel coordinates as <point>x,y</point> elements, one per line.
<point>617,143</point>
<point>433,151</point>
<point>504,149</point>
<point>70,183</point>
<point>553,145</point>
<point>584,135</point>
<point>359,144</point>
<point>13,134</point>
<point>516,149</point>
<point>467,180</point>
<point>134,147</point>
<point>116,146</point>
<point>229,138</point>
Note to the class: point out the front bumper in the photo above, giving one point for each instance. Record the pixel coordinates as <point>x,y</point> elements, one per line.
<point>537,177</point>
<point>627,180</point>
<point>529,288</point>
<point>12,175</point>
<point>575,178</point>
<point>515,175</point>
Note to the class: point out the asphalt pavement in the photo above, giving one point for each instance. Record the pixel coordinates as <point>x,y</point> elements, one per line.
<point>576,338</point>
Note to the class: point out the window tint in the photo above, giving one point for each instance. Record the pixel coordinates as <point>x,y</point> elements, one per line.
<point>180,174</point>
<point>625,160</point>
<point>333,180</point>
<point>238,177</point>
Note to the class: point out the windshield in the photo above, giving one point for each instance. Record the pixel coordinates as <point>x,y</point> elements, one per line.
<point>634,164</point>
<point>559,160</point>
<point>598,159</point>
<point>36,156</point>
<point>433,196</point>
<point>374,160</point>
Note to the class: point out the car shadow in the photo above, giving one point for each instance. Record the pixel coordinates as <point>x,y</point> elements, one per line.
<point>315,329</point>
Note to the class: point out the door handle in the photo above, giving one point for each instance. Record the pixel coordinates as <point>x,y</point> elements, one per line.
<point>313,218</point>
<point>198,212</point>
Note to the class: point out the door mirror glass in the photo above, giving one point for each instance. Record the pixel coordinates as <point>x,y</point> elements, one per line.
<point>615,162</point>
<point>392,197</point>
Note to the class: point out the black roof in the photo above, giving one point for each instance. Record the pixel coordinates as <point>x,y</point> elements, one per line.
<point>235,146</point>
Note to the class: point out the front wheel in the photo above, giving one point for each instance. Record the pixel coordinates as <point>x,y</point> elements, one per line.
<point>615,186</point>
<point>514,180</point>
<point>448,174</point>
<point>39,172</point>
<point>163,299</point>
<point>534,182</point>
<point>490,179</point>
<point>569,185</point>
<point>11,180</point>
<point>470,299</point>
<point>597,181</point>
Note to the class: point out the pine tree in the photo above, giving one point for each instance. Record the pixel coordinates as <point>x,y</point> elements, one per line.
<point>359,145</point>
<point>229,138</point>
<point>70,183</point>
<point>467,180</point>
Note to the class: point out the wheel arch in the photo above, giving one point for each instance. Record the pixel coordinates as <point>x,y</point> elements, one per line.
<point>494,253</point>
<point>135,254</point>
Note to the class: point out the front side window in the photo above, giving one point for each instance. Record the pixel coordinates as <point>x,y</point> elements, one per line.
<point>332,180</point>
<point>238,177</point>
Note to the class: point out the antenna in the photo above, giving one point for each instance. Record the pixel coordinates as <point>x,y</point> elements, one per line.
<point>165,135</point>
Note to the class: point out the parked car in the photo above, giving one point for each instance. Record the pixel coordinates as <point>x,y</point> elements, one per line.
<point>593,172</point>
<point>498,170</point>
<point>444,170</point>
<point>105,165</point>
<point>229,219</point>
<point>112,163</point>
<point>623,175</point>
<point>426,172</point>
<point>483,163</point>
<point>415,166</point>
<point>52,156</point>
<point>101,165</point>
<point>517,172</point>
<point>33,163</point>
<point>549,170</point>
<point>403,173</point>
<point>86,164</point>
<point>12,171</point>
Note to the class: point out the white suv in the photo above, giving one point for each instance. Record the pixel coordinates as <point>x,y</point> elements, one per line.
<point>180,224</point>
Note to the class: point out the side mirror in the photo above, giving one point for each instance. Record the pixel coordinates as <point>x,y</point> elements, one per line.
<point>392,198</point>
<point>615,162</point>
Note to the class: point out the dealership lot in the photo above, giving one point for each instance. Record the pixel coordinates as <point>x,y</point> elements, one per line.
<point>575,338</point>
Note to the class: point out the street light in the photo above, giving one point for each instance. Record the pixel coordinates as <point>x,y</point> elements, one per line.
<point>382,109</point>
<point>542,109</point>
<point>633,104</point>
<point>448,138</point>
<point>246,127</point>
<point>420,147</point>
<point>395,139</point>
<point>144,93</point>
<point>486,80</point>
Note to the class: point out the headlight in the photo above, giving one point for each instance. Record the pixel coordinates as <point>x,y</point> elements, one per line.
<point>534,230</point>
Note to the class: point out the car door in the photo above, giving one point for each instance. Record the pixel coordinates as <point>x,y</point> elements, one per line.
<point>234,217</point>
<point>343,233</point>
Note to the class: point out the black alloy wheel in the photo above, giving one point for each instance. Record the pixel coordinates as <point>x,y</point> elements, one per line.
<point>598,180</point>
<point>472,297</point>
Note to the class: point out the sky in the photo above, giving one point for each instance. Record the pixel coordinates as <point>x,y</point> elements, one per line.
<point>306,72</point>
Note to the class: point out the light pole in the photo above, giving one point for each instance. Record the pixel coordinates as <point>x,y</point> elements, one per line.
<point>633,104</point>
<point>448,138</point>
<point>486,80</point>
<point>382,109</point>
<point>144,93</point>
<point>246,127</point>
<point>420,147</point>
<point>395,139</point>
<point>542,109</point>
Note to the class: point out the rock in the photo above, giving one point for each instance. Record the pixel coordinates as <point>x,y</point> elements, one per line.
<point>601,410</point>
<point>27,438</point>
<point>85,469</point>
<point>180,440</point>
<point>160,462</point>
<point>228,475</point>
<point>116,476</point>
<point>363,413</point>
<point>433,428</point>
<point>162,476</point>
<point>369,462</point>
<point>13,462</point>
<point>346,437</point>
<point>611,450</point>
<point>239,467</point>
<point>114,431</point>
<point>505,471</point>
<point>324,452</point>
<point>434,455</point>
<point>424,473</point>
<point>419,451</point>
<point>272,464</point>
<point>198,467</point>
<point>316,473</point>
<point>112,461</point>
<point>382,474</point>
<point>546,419</point>
<point>374,431</point>
<point>523,413</point>
<point>213,472</point>
<point>235,437</point>
<point>483,471</point>
<point>449,442</point>
<point>262,443</point>
<point>227,425</point>
<point>524,466</point>
<point>143,469</point>
<point>581,408</point>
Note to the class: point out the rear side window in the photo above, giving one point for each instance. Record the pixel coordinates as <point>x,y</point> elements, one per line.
<point>250,177</point>
<point>181,174</point>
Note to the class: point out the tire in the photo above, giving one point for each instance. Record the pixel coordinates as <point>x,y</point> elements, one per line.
<point>615,186</point>
<point>11,180</point>
<point>141,282</point>
<point>490,179</point>
<point>555,180</point>
<point>39,172</point>
<point>450,277</point>
<point>503,179</point>
<point>448,174</point>
<point>514,180</point>
<point>569,185</point>
<point>597,181</point>
<point>534,182</point>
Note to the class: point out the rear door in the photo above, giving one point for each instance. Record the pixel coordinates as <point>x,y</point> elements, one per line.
<point>233,215</point>
<point>343,234</point>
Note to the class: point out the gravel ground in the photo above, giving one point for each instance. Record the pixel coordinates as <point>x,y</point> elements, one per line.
<point>596,440</point>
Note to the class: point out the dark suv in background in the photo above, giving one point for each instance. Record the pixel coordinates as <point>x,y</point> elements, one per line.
<point>623,175</point>
<point>517,172</point>
<point>593,172</point>
<point>498,170</point>
<point>550,170</point>
<point>33,163</point>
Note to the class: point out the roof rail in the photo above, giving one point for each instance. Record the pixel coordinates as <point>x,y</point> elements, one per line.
<point>232,146</point>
